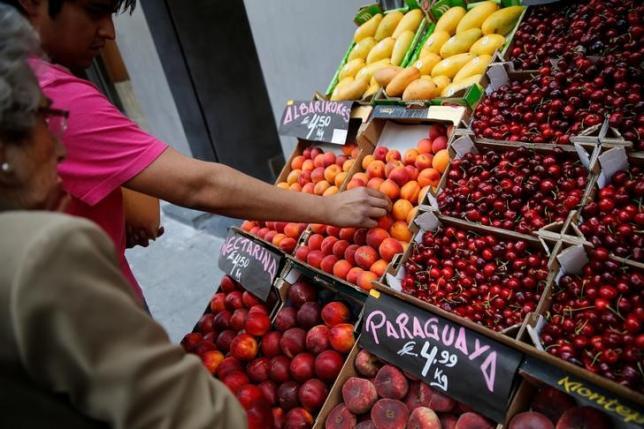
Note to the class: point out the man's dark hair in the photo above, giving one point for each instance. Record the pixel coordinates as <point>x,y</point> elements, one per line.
<point>55,6</point>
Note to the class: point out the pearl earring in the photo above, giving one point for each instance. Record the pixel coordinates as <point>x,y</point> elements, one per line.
<point>6,168</point>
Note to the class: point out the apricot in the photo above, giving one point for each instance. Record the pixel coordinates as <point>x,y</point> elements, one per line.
<point>283,185</point>
<point>439,144</point>
<point>441,160</point>
<point>317,175</point>
<point>375,182</point>
<point>356,183</point>
<point>305,177</point>
<point>389,167</point>
<point>365,279</point>
<point>423,193</point>
<point>368,159</point>
<point>412,171</point>
<point>270,235</point>
<point>247,225</point>
<point>294,230</point>
<point>339,179</point>
<point>390,189</point>
<point>308,165</point>
<point>389,414</point>
<point>365,256</point>
<point>436,130</point>
<point>353,274</point>
<point>296,162</point>
<point>376,169</point>
<point>318,228</point>
<point>375,236</point>
<point>379,267</point>
<point>359,395</point>
<point>401,209</point>
<point>340,418</point>
<point>391,383</point>
<point>314,258</point>
<point>424,146</point>
<point>385,222</point>
<point>287,244</point>
<point>410,156</point>
<point>341,269</point>
<point>277,239</point>
<point>301,253</point>
<point>330,172</point>
<point>389,248</point>
<point>318,161</point>
<point>347,165</point>
<point>341,337</point>
<point>380,153</point>
<point>361,176</point>
<point>393,155</point>
<point>293,176</point>
<point>424,161</point>
<point>399,175</point>
<point>309,188</point>
<point>429,177</point>
<point>410,192</point>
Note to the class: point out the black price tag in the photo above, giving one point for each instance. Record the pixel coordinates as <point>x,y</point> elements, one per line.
<point>321,120</point>
<point>624,414</point>
<point>399,112</point>
<point>467,366</point>
<point>249,263</point>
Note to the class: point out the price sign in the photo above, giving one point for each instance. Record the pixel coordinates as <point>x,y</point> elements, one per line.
<point>323,121</point>
<point>250,263</point>
<point>624,414</point>
<point>463,364</point>
<point>399,112</point>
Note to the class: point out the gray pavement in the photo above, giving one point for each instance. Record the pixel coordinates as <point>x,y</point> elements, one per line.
<point>178,273</point>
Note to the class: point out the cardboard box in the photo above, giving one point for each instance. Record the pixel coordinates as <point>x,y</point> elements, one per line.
<point>364,14</point>
<point>401,134</point>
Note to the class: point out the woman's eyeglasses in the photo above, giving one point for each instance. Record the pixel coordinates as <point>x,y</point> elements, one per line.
<point>56,120</point>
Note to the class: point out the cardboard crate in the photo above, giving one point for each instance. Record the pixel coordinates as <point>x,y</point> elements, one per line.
<point>363,15</point>
<point>396,135</point>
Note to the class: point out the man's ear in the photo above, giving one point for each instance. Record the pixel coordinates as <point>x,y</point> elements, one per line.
<point>32,8</point>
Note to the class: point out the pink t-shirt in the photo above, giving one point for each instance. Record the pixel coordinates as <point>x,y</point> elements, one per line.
<point>104,150</point>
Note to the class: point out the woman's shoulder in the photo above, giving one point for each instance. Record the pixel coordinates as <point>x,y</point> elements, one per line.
<point>39,230</point>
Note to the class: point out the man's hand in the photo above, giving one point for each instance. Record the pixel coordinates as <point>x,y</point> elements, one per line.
<point>359,207</point>
<point>141,236</point>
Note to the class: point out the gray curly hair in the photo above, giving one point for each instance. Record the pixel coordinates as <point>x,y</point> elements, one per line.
<point>19,91</point>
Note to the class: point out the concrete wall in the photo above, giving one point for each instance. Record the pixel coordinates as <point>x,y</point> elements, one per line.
<point>148,80</point>
<point>300,44</point>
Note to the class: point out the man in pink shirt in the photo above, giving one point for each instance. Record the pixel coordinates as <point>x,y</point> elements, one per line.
<point>105,150</point>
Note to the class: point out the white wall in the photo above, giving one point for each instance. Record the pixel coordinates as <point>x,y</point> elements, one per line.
<point>300,44</point>
<point>148,80</point>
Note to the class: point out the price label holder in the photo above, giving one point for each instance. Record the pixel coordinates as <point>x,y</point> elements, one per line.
<point>465,365</point>
<point>319,120</point>
<point>250,263</point>
<point>623,413</point>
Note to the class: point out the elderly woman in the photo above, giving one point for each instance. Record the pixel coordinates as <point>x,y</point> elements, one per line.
<point>75,348</point>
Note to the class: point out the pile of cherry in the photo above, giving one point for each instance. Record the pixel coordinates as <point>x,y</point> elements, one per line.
<point>614,218</point>
<point>516,189</point>
<point>488,279</point>
<point>595,27</point>
<point>281,372</point>
<point>596,320</point>
<point>564,99</point>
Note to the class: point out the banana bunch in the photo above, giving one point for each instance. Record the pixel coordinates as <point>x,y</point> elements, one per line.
<point>380,42</point>
<point>455,56</point>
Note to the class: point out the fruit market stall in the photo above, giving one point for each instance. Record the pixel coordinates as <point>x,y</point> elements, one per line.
<point>505,288</point>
